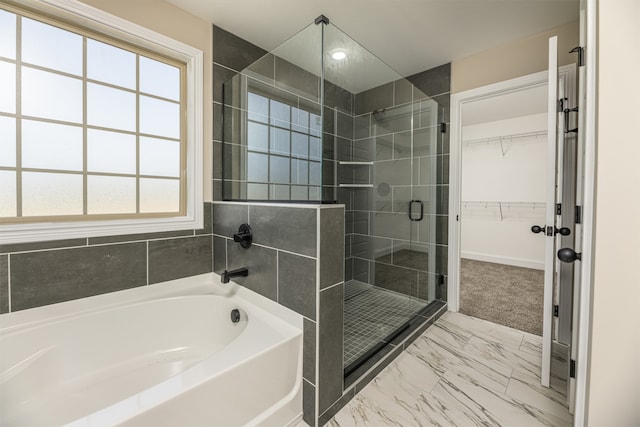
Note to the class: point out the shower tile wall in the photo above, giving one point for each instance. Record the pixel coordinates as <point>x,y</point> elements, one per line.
<point>377,233</point>
<point>43,273</point>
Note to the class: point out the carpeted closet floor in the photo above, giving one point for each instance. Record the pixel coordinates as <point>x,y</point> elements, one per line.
<point>510,296</point>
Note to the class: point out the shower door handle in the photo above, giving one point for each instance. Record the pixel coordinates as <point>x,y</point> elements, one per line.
<point>411,217</point>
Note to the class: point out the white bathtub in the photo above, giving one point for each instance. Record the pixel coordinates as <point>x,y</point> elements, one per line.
<point>160,355</point>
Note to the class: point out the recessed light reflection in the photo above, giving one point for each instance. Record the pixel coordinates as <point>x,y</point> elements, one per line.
<point>339,55</point>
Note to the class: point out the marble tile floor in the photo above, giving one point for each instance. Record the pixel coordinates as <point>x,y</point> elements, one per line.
<point>462,371</point>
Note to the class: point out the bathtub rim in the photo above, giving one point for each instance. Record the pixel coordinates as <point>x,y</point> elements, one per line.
<point>202,284</point>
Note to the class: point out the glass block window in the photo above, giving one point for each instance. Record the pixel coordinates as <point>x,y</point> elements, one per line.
<point>90,127</point>
<point>284,150</point>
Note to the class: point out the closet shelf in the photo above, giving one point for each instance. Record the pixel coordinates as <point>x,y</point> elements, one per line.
<point>506,138</point>
<point>503,206</point>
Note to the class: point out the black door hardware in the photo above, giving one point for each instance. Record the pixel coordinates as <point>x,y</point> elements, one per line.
<point>411,217</point>
<point>244,236</point>
<point>569,255</point>
<point>563,231</point>
<point>537,229</point>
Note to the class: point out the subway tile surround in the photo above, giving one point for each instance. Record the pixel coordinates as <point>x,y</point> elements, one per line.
<point>41,273</point>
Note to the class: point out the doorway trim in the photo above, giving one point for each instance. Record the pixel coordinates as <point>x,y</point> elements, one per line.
<point>455,162</point>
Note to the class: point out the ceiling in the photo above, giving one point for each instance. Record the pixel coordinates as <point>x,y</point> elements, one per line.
<point>409,35</point>
<point>505,106</point>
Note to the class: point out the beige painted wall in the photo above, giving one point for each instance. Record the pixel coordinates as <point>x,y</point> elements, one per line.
<point>520,58</point>
<point>614,374</point>
<point>173,22</point>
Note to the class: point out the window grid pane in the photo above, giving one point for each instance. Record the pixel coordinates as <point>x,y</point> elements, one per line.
<point>57,174</point>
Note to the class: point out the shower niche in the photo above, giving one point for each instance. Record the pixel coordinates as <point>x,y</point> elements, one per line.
<point>320,119</point>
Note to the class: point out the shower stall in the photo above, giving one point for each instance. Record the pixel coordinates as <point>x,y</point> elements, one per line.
<point>320,119</point>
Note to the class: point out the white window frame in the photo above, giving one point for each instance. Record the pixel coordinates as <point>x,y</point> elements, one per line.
<point>120,29</point>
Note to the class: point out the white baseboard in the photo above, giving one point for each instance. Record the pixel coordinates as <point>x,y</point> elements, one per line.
<point>497,259</point>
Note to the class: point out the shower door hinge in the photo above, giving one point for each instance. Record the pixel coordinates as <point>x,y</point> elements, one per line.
<point>556,310</point>
<point>443,127</point>
<point>578,215</point>
<point>580,51</point>
<point>572,368</point>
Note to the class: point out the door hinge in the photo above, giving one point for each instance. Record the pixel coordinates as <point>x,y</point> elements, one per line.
<point>580,51</point>
<point>550,231</point>
<point>560,105</point>
<point>443,127</point>
<point>572,368</point>
<point>556,310</point>
<point>558,208</point>
<point>578,214</point>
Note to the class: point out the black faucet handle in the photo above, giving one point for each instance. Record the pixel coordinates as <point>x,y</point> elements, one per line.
<point>244,236</point>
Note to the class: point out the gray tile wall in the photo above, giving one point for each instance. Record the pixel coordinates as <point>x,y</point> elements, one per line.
<point>238,63</point>
<point>407,165</point>
<point>42,273</point>
<point>289,254</point>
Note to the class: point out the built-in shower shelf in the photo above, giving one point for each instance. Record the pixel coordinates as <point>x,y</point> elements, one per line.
<point>356,163</point>
<point>355,185</point>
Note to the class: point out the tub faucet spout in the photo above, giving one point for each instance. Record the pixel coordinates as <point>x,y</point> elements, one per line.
<point>239,272</point>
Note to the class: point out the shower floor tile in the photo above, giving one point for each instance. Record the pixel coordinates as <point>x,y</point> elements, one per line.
<point>371,314</point>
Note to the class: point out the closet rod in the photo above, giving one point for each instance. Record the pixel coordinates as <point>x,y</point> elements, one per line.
<point>507,137</point>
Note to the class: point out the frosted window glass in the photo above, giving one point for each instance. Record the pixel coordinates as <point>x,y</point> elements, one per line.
<point>280,141</point>
<point>300,120</point>
<point>299,144</point>
<point>7,87</point>
<point>257,167</point>
<point>280,114</point>
<point>160,118</point>
<point>315,174</point>
<point>111,195</point>
<point>258,107</point>
<point>110,64</point>
<point>51,47</point>
<point>314,193</point>
<point>315,148</point>
<point>51,96</point>
<point>279,169</point>
<point>111,152</point>
<point>160,79</point>
<point>51,146</point>
<point>299,192</point>
<point>159,195</point>
<point>159,157</point>
<point>111,108</point>
<point>315,125</point>
<point>299,171</point>
<point>51,194</point>
<point>257,136</point>
<point>8,199</point>
<point>7,141</point>
<point>7,34</point>
<point>257,191</point>
<point>279,192</point>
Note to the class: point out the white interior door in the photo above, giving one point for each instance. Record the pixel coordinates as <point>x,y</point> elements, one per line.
<point>550,216</point>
